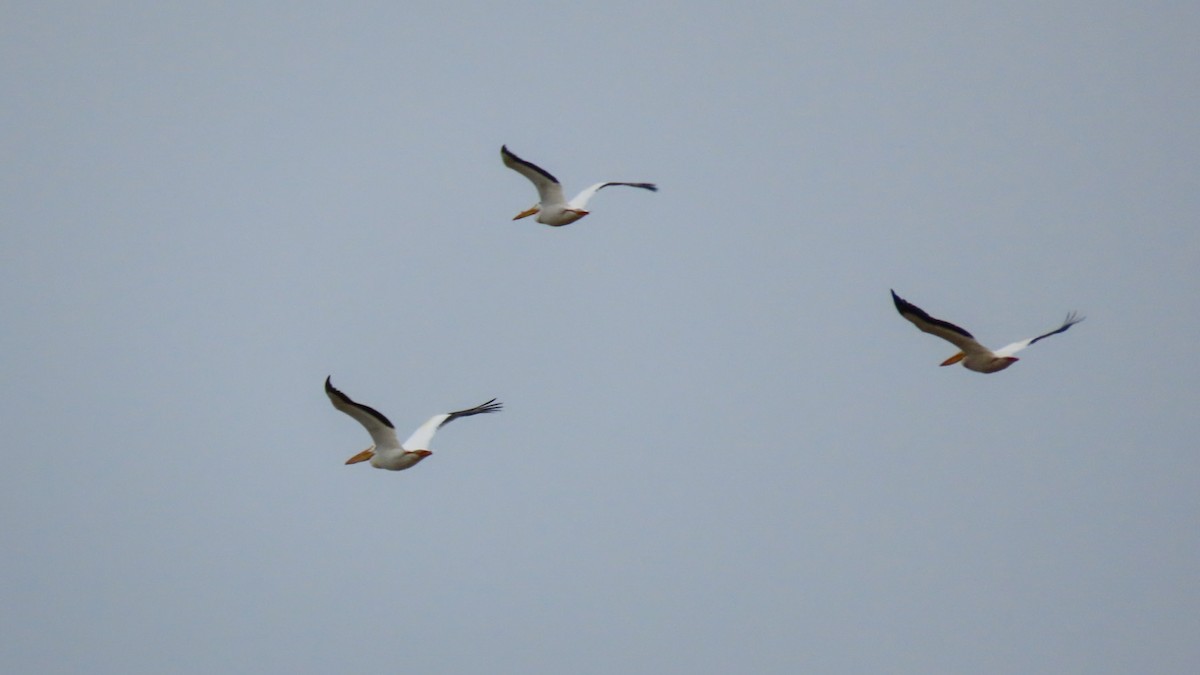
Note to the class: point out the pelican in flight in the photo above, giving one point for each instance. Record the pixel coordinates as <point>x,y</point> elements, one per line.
<point>552,207</point>
<point>973,355</point>
<point>387,452</point>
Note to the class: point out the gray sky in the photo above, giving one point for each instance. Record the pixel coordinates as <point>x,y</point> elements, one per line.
<point>721,450</point>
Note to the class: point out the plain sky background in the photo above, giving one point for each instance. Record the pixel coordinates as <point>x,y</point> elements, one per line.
<point>722,450</point>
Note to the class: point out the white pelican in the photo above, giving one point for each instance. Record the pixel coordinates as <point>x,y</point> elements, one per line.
<point>552,207</point>
<point>973,355</point>
<point>387,452</point>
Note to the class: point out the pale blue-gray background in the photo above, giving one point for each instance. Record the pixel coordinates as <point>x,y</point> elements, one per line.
<point>722,450</point>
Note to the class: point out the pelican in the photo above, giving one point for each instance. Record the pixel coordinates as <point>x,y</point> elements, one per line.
<point>973,355</point>
<point>552,207</point>
<point>387,452</point>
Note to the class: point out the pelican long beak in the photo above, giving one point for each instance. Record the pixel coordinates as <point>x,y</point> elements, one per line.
<point>362,456</point>
<point>526,213</point>
<point>954,359</point>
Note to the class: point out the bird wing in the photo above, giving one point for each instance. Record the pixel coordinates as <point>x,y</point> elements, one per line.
<point>382,432</point>
<point>549,189</point>
<point>580,201</point>
<point>943,329</point>
<point>1015,347</point>
<point>419,440</point>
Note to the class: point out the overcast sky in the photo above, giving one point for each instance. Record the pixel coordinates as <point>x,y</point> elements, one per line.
<point>722,450</point>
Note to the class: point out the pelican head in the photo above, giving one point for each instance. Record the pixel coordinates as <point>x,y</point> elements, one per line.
<point>528,212</point>
<point>954,359</point>
<point>362,456</point>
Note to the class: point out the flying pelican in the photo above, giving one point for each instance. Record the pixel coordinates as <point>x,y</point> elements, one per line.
<point>552,207</point>
<point>973,355</point>
<point>387,452</point>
